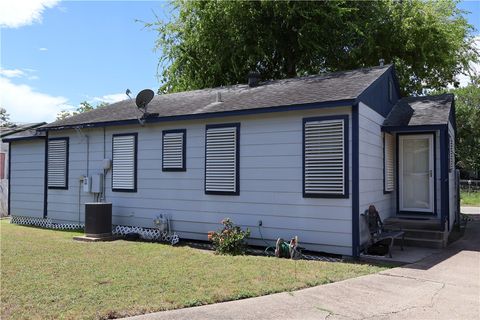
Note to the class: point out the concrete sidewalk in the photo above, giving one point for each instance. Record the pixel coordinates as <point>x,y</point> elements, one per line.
<point>445,285</point>
<point>470,210</point>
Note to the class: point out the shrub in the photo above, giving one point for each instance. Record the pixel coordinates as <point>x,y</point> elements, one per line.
<point>231,239</point>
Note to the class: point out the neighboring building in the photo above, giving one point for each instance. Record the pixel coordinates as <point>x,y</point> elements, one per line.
<point>12,130</point>
<point>306,156</point>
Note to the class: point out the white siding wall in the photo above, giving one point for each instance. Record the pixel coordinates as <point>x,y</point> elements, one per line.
<point>27,178</point>
<point>4,182</point>
<point>270,183</point>
<point>68,205</point>
<point>371,167</point>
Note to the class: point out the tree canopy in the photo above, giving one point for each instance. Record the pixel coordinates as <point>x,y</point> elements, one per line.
<point>214,43</point>
<point>4,118</point>
<point>467,107</point>
<point>83,107</point>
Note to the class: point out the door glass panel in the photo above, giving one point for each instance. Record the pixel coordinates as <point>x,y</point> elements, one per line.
<point>416,173</point>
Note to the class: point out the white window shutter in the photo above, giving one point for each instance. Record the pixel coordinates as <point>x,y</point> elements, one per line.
<point>57,163</point>
<point>173,155</point>
<point>388,165</point>
<point>324,158</point>
<point>124,163</point>
<point>451,153</point>
<point>221,160</point>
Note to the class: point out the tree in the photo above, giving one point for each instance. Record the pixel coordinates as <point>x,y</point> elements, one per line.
<point>4,118</point>
<point>83,107</point>
<point>467,105</point>
<point>213,43</point>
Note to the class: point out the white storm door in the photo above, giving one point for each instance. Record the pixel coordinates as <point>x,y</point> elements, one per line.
<point>416,176</point>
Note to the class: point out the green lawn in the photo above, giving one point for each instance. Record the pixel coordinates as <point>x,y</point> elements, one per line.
<point>470,198</point>
<point>47,275</point>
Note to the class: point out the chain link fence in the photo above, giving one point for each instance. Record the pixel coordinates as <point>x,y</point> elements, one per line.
<point>470,185</point>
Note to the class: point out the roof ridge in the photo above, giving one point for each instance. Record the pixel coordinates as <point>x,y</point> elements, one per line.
<point>310,89</point>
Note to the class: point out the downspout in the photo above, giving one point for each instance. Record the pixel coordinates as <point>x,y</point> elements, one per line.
<point>9,177</point>
<point>355,183</point>
<point>104,198</point>
<point>45,186</point>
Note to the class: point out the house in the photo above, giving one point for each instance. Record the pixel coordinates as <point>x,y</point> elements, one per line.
<point>305,156</point>
<point>26,129</point>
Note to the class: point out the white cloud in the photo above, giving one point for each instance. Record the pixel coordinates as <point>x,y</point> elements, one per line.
<point>111,98</point>
<point>14,13</point>
<point>25,73</point>
<point>12,73</point>
<point>24,104</point>
<point>43,49</point>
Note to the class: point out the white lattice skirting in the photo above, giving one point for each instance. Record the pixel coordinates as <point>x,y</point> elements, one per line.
<point>145,233</point>
<point>45,223</point>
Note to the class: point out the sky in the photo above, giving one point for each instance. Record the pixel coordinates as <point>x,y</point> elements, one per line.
<point>55,54</point>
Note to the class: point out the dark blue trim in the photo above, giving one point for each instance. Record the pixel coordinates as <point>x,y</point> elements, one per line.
<point>296,107</point>
<point>9,177</point>
<point>444,177</point>
<point>184,149</point>
<point>345,157</point>
<point>237,159</point>
<point>13,139</point>
<point>135,135</point>
<point>67,140</point>
<point>397,171</point>
<point>420,128</point>
<point>376,95</point>
<point>45,180</point>
<point>355,182</point>
<point>452,116</point>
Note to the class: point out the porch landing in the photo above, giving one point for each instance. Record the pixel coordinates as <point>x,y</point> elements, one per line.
<point>419,232</point>
<point>408,255</point>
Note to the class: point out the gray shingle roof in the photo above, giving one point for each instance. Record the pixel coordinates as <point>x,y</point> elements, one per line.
<point>417,111</point>
<point>25,134</point>
<point>312,89</point>
<point>17,128</point>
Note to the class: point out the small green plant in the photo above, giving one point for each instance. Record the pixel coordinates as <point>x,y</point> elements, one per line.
<point>231,239</point>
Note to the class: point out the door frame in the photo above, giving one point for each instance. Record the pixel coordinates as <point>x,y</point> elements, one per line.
<point>397,172</point>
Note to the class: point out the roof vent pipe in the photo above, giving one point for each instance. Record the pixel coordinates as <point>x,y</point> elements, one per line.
<point>253,78</point>
<point>219,96</point>
<point>381,62</point>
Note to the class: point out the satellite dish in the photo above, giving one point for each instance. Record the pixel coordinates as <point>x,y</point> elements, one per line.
<point>143,98</point>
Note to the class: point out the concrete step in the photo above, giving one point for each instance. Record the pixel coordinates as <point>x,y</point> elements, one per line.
<point>421,242</point>
<point>412,223</point>
<point>424,234</point>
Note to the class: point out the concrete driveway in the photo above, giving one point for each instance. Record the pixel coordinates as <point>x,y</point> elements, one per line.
<point>445,285</point>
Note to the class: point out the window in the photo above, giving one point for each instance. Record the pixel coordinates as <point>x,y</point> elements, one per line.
<point>325,154</point>
<point>173,150</point>
<point>124,162</point>
<point>57,163</point>
<point>388,183</point>
<point>451,154</point>
<point>222,159</point>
